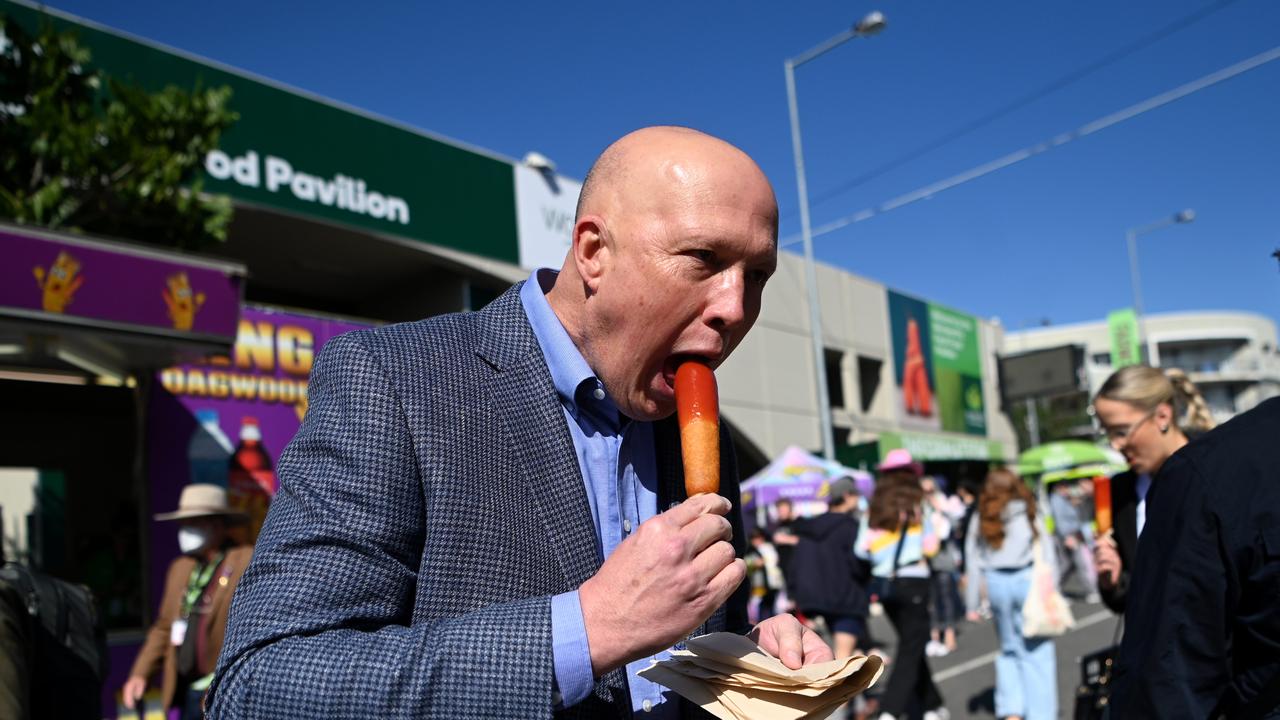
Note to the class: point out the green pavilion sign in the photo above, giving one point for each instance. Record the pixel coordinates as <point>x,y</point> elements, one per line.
<point>278,175</point>
<point>302,154</point>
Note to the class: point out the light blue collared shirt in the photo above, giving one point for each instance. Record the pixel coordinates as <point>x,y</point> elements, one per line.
<point>619,469</point>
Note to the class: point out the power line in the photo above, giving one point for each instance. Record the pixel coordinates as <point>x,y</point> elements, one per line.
<point>1036,95</point>
<point>1018,156</point>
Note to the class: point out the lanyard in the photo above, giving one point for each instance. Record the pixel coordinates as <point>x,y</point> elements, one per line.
<point>200,577</point>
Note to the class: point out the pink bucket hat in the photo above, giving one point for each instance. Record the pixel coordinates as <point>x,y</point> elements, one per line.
<point>900,459</point>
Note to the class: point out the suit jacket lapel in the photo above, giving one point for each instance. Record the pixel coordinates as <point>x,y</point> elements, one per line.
<point>666,441</point>
<point>526,401</point>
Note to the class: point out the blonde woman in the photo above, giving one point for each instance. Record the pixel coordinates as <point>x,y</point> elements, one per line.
<point>1146,414</point>
<point>1000,546</point>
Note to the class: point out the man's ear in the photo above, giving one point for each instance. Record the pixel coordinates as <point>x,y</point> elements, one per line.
<point>592,250</point>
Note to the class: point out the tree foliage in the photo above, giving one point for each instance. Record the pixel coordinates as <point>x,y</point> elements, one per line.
<point>84,152</point>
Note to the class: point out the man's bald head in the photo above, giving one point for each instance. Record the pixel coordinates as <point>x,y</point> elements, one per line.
<point>621,164</point>
<point>675,237</point>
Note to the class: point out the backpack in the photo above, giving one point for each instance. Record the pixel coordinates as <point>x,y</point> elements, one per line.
<point>67,645</point>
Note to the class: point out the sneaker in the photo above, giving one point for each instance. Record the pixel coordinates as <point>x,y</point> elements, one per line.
<point>938,714</point>
<point>934,649</point>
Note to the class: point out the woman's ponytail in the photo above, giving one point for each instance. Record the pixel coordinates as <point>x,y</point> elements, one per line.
<point>1191,412</point>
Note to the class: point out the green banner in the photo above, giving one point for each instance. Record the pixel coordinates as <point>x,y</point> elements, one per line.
<point>926,447</point>
<point>1126,347</point>
<point>937,366</point>
<point>302,154</point>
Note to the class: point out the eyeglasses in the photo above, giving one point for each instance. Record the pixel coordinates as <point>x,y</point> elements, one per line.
<point>1114,435</point>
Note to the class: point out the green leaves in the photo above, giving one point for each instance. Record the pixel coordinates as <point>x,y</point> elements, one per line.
<point>89,153</point>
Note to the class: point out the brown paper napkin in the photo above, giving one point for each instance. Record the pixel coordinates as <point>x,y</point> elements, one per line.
<point>733,679</point>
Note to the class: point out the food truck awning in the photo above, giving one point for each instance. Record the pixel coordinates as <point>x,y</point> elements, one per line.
<point>85,305</point>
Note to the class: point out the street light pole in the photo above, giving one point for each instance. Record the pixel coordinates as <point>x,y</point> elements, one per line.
<point>1131,237</point>
<point>873,23</point>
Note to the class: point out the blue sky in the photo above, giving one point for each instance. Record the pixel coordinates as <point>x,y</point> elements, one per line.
<point>1043,239</point>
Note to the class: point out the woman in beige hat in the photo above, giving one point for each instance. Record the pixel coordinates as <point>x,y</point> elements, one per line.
<point>187,635</point>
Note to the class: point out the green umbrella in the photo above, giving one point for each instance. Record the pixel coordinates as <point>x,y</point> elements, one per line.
<point>1057,460</point>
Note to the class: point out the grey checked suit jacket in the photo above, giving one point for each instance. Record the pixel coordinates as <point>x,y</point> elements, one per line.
<point>429,507</point>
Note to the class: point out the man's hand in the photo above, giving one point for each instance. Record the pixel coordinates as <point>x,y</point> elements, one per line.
<point>660,583</point>
<point>133,690</point>
<point>783,637</point>
<point>1107,559</point>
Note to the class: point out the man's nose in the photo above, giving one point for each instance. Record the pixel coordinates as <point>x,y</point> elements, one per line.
<point>726,307</point>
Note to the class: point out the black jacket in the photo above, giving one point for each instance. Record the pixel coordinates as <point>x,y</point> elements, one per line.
<point>1203,611</point>
<point>824,577</point>
<point>1124,519</point>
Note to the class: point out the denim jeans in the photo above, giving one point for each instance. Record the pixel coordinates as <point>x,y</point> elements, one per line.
<point>1026,670</point>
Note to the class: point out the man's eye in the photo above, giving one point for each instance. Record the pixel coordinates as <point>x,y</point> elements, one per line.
<point>757,277</point>
<point>704,255</point>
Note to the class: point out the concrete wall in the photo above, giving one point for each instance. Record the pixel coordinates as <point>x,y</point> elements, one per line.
<point>768,388</point>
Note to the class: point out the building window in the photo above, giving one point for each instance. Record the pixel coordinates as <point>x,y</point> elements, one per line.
<point>834,360</point>
<point>868,381</point>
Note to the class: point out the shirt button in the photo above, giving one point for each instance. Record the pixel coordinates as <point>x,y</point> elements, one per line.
<point>647,705</point>
<point>626,525</point>
<point>598,393</point>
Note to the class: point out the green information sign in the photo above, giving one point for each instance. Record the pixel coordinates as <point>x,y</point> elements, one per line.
<point>302,154</point>
<point>939,447</point>
<point>937,366</point>
<point>1126,347</point>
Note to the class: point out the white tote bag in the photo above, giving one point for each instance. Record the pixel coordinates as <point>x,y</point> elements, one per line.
<point>1045,613</point>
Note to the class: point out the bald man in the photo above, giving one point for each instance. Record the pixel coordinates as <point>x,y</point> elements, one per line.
<point>483,515</point>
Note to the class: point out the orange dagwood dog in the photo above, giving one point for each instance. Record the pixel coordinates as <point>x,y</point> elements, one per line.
<point>698,410</point>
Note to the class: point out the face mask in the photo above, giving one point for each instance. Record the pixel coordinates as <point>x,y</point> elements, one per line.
<point>191,539</point>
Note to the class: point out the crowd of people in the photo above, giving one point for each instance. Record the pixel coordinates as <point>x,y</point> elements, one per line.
<point>918,553</point>
<point>899,551</point>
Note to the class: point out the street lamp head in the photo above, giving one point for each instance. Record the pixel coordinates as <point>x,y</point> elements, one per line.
<point>873,23</point>
<point>539,162</point>
<point>1185,216</point>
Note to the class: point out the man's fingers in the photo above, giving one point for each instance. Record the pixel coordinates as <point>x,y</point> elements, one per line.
<point>790,649</point>
<point>792,643</point>
<point>713,561</point>
<point>705,530</point>
<point>815,650</point>
<point>696,506</point>
<point>726,581</point>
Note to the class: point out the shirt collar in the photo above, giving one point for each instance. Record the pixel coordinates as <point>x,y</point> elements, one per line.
<point>1142,486</point>
<point>574,381</point>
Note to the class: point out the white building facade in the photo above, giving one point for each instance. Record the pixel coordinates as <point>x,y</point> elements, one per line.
<point>1231,356</point>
